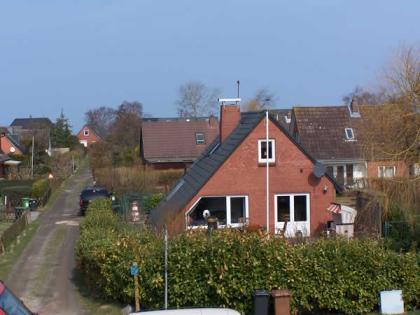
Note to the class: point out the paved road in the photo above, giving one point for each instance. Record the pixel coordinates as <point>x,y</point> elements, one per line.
<point>44,274</point>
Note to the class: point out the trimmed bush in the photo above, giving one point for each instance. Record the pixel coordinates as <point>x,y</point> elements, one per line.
<point>39,188</point>
<point>224,269</point>
<point>150,202</point>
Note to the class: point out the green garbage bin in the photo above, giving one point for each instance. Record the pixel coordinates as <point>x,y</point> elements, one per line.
<point>25,202</point>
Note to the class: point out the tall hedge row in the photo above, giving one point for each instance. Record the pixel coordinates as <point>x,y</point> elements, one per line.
<point>225,268</point>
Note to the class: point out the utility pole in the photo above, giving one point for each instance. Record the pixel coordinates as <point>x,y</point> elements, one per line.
<point>32,159</point>
<point>267,173</point>
<point>166,268</point>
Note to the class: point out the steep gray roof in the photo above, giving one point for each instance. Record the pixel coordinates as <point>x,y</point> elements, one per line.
<point>207,165</point>
<point>32,123</point>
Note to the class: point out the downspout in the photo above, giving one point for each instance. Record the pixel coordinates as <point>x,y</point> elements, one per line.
<point>267,173</point>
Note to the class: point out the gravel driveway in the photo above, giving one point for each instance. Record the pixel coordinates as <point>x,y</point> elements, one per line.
<point>44,274</point>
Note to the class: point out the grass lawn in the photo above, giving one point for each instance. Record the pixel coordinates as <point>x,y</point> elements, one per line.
<point>90,302</point>
<point>10,257</point>
<point>4,226</point>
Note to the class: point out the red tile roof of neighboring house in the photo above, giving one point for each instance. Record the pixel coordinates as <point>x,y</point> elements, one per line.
<point>321,130</point>
<point>174,140</point>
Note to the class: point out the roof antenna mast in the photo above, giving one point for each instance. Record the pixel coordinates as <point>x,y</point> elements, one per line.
<point>238,83</point>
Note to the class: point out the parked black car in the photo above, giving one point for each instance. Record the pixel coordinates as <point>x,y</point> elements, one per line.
<point>10,304</point>
<point>91,193</point>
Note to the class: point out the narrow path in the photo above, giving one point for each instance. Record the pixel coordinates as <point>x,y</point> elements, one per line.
<point>43,277</point>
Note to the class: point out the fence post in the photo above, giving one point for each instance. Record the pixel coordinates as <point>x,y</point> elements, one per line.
<point>386,228</point>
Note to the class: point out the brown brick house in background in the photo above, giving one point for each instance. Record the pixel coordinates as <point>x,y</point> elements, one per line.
<point>229,180</point>
<point>175,143</point>
<point>334,135</point>
<point>88,136</point>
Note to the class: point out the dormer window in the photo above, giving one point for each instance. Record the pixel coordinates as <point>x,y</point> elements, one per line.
<point>86,132</point>
<point>266,152</point>
<point>199,138</point>
<point>349,133</point>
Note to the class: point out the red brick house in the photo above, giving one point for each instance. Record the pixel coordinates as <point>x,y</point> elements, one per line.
<point>88,136</point>
<point>334,135</point>
<point>9,145</point>
<point>3,158</point>
<point>175,143</point>
<point>229,181</point>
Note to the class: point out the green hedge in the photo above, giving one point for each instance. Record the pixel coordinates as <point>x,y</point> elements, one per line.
<point>224,269</point>
<point>150,202</point>
<point>16,193</point>
<point>40,187</point>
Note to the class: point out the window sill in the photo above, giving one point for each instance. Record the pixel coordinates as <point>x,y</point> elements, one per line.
<point>263,164</point>
<point>222,226</point>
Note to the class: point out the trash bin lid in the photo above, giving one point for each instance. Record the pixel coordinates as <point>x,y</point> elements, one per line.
<point>281,293</point>
<point>261,293</point>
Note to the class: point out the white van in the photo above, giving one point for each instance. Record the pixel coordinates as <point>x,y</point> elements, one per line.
<point>192,311</point>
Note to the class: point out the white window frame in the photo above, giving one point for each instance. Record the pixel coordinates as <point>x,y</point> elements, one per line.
<point>196,138</point>
<point>271,142</point>
<point>84,143</point>
<point>228,212</point>
<point>292,206</point>
<point>352,133</point>
<point>384,167</point>
<point>292,210</point>
<point>86,132</point>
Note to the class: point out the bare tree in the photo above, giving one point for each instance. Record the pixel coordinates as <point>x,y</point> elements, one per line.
<point>391,133</point>
<point>365,97</point>
<point>101,119</point>
<point>263,99</point>
<point>196,99</point>
<point>127,124</point>
<point>393,130</point>
<point>403,76</point>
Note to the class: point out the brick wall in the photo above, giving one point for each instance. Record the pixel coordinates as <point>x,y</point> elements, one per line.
<point>242,175</point>
<point>6,146</point>
<point>401,169</point>
<point>90,139</point>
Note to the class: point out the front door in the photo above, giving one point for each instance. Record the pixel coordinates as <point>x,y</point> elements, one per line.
<point>292,214</point>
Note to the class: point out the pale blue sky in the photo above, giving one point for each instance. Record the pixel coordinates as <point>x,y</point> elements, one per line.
<point>80,54</point>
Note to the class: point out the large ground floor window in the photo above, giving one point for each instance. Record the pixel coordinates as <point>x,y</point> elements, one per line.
<point>229,211</point>
<point>292,214</point>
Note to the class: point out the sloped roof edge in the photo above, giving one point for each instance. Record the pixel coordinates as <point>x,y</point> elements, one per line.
<point>188,186</point>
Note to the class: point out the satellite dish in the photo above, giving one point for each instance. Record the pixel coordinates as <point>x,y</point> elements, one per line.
<point>319,170</point>
<point>206,214</point>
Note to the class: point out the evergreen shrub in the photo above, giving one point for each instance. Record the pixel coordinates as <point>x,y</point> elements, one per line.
<point>224,268</point>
